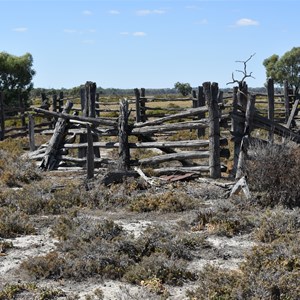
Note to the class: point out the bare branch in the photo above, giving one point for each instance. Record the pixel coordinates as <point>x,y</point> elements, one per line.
<point>244,72</point>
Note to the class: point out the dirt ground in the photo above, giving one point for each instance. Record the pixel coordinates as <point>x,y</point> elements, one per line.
<point>225,252</point>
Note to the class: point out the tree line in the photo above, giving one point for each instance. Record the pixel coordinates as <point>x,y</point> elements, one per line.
<point>16,74</point>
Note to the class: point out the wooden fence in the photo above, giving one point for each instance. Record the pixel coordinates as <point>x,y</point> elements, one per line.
<point>155,133</point>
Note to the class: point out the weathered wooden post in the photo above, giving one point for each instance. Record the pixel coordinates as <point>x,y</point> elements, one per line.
<point>137,105</point>
<point>286,100</point>
<point>143,101</point>
<point>89,153</point>
<point>31,132</point>
<point>211,96</point>
<point>194,99</point>
<point>2,116</point>
<point>50,161</point>
<point>54,103</point>
<point>84,109</point>
<point>271,105</point>
<point>201,103</point>
<point>124,152</point>
<point>237,129</point>
<point>97,105</point>
<point>247,134</point>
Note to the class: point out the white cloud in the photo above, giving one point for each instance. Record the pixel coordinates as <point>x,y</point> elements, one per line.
<point>20,29</point>
<point>246,22</point>
<point>114,12</point>
<point>87,12</point>
<point>139,33</point>
<point>145,12</point>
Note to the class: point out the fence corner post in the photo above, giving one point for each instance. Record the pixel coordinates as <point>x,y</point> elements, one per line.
<point>211,96</point>
<point>124,152</point>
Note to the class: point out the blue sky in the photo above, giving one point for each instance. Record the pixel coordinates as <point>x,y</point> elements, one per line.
<point>151,44</point>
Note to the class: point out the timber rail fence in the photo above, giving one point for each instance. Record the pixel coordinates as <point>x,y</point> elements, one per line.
<point>155,133</point>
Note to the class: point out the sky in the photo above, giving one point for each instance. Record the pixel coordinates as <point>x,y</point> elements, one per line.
<point>145,43</point>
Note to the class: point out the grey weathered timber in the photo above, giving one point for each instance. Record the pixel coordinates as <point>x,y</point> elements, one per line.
<point>201,103</point>
<point>271,106</point>
<point>286,100</point>
<point>265,123</point>
<point>292,115</point>
<point>185,114</point>
<point>237,130</point>
<point>94,121</point>
<point>250,110</point>
<point>54,103</point>
<point>124,153</point>
<point>170,144</point>
<point>179,170</point>
<point>179,156</point>
<point>143,101</point>
<point>137,105</point>
<point>50,160</point>
<point>89,154</point>
<point>2,116</point>
<point>170,127</point>
<point>31,132</point>
<point>211,96</point>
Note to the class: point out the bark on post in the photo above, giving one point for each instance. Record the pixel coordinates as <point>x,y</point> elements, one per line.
<point>90,154</point>
<point>124,152</point>
<point>247,135</point>
<point>286,100</point>
<point>211,96</point>
<point>97,105</point>
<point>50,159</point>
<point>201,102</point>
<point>54,103</point>
<point>84,100</point>
<point>2,117</point>
<point>143,101</point>
<point>31,132</point>
<point>237,129</point>
<point>137,105</point>
<point>271,107</point>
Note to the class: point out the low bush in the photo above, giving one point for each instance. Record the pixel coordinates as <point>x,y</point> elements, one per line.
<point>274,173</point>
<point>170,201</point>
<point>14,223</point>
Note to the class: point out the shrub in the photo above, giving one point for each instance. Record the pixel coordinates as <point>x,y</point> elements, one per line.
<point>273,172</point>
<point>14,223</point>
<point>170,201</point>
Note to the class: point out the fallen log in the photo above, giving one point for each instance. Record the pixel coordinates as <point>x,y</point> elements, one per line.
<point>50,160</point>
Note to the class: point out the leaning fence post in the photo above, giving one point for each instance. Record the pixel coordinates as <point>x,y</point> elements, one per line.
<point>211,96</point>
<point>124,152</point>
<point>31,132</point>
<point>89,153</point>
<point>247,133</point>
<point>271,107</point>
<point>2,117</point>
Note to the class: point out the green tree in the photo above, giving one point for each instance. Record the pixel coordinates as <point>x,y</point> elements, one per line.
<point>16,76</point>
<point>183,88</point>
<point>286,67</point>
